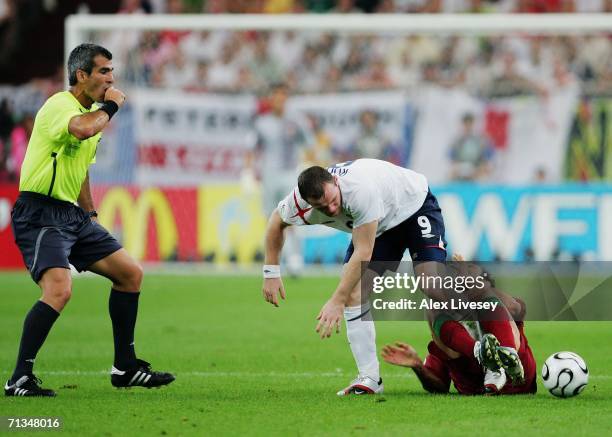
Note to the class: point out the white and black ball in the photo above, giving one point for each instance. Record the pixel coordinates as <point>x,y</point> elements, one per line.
<point>565,374</point>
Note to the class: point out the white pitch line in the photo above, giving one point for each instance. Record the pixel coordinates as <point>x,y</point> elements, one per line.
<point>202,374</point>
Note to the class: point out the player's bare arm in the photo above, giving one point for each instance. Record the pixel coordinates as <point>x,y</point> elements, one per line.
<point>330,315</point>
<point>402,354</point>
<point>85,200</point>
<point>274,239</point>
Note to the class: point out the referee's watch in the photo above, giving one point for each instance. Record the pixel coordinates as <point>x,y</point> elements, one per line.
<point>93,213</point>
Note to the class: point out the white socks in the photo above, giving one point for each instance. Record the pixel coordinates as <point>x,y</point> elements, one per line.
<point>362,339</point>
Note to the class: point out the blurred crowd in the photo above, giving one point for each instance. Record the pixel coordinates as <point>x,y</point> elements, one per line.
<point>364,6</point>
<point>14,137</point>
<point>250,62</point>
<point>316,62</point>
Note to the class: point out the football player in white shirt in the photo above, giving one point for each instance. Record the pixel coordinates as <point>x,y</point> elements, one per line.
<point>387,209</point>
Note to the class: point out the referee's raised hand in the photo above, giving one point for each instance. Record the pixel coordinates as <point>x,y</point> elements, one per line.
<point>115,95</point>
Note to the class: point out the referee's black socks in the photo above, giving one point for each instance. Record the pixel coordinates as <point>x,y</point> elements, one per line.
<point>36,326</point>
<point>123,308</point>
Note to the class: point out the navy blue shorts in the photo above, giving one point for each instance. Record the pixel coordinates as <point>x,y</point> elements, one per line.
<point>422,234</point>
<point>54,233</point>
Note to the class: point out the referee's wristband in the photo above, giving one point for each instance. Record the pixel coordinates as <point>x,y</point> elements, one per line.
<point>109,107</point>
<point>271,271</point>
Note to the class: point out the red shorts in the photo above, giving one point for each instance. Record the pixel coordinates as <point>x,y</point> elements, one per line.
<point>467,375</point>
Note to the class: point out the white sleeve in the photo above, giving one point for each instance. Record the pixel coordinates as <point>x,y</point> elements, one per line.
<point>293,210</point>
<point>366,207</point>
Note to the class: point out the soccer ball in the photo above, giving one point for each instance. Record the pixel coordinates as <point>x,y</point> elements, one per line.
<point>565,374</point>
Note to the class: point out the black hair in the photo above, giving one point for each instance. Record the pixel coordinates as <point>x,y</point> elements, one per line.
<point>311,182</point>
<point>82,58</point>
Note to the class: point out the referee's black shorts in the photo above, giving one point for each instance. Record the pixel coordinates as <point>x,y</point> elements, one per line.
<point>55,233</point>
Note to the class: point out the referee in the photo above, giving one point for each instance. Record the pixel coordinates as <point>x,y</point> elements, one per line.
<point>53,232</point>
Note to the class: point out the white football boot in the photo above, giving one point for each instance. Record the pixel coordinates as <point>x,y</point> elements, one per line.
<point>494,381</point>
<point>363,385</point>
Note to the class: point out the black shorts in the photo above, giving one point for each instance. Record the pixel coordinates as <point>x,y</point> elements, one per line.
<point>54,233</point>
<point>422,234</point>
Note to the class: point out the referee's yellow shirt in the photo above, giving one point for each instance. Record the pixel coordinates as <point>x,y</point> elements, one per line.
<point>56,162</point>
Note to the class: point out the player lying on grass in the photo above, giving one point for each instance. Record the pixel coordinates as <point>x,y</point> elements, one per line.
<point>475,364</point>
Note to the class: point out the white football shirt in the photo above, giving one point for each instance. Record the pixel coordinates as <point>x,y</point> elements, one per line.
<point>371,190</point>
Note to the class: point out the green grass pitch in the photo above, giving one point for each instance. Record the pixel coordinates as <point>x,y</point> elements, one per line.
<point>245,367</point>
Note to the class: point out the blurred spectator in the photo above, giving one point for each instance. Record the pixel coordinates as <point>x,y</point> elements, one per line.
<point>200,82</point>
<point>509,82</point>
<point>264,68</point>
<point>135,7</point>
<point>234,6</point>
<point>470,153</point>
<point>320,152</point>
<point>310,73</point>
<point>6,120</point>
<point>333,82</point>
<point>223,72</point>
<point>449,71</point>
<point>540,176</point>
<point>403,72</point>
<point>355,63</point>
<point>279,140</point>
<point>545,6</point>
<point>203,45</point>
<point>19,142</point>
<point>7,11</point>
<point>178,71</point>
<point>319,6</point>
<point>375,76</point>
<point>345,7</point>
<point>371,142</point>
<point>6,125</point>
<point>286,47</point>
<point>175,7</point>
<point>281,6</point>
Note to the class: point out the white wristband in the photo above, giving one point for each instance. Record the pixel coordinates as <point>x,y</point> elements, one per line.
<point>271,271</point>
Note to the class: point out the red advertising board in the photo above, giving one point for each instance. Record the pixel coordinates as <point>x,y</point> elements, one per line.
<point>10,258</point>
<point>200,223</point>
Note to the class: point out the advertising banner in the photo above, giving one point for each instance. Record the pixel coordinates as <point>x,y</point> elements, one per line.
<point>589,146</point>
<point>10,257</point>
<point>544,223</point>
<point>208,223</point>
<point>339,116</point>
<point>224,224</point>
<point>190,139</point>
<point>526,134</point>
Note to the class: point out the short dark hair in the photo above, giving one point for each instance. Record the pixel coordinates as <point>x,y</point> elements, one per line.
<point>311,182</point>
<point>82,58</point>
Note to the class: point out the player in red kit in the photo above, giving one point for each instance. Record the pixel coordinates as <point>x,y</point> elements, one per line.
<point>440,367</point>
<point>456,353</point>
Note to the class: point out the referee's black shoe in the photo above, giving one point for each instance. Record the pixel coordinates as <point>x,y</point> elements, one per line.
<point>27,385</point>
<point>140,376</point>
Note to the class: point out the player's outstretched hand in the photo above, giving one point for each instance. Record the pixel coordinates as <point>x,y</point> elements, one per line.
<point>115,95</point>
<point>329,317</point>
<point>271,288</point>
<point>401,354</point>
